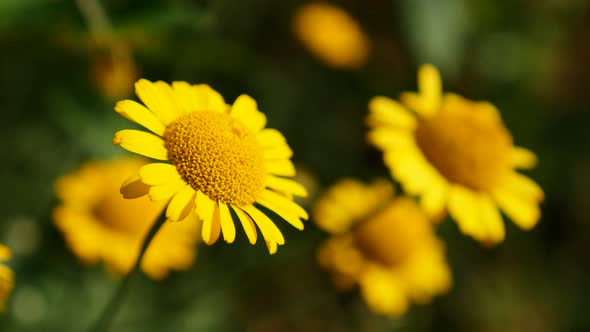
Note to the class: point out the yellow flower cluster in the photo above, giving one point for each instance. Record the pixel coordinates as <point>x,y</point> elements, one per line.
<point>456,156</point>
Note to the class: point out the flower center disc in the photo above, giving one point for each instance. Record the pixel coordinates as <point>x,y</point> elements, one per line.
<point>216,155</point>
<point>467,143</point>
<point>394,233</point>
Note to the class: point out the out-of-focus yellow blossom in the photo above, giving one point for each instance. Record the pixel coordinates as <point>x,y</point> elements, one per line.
<point>100,225</point>
<point>388,247</point>
<point>220,158</point>
<point>6,276</point>
<point>332,35</point>
<point>114,73</point>
<point>456,155</point>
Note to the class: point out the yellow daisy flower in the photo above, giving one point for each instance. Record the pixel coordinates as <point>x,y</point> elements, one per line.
<point>100,225</point>
<point>456,155</point>
<point>222,159</point>
<point>388,248</point>
<point>332,35</point>
<point>6,276</point>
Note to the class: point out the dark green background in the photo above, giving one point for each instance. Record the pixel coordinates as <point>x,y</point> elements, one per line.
<point>530,58</point>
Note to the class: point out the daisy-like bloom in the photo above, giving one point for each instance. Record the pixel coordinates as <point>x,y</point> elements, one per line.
<point>457,156</point>
<point>332,35</point>
<point>98,224</point>
<point>6,276</point>
<point>388,246</point>
<point>221,159</point>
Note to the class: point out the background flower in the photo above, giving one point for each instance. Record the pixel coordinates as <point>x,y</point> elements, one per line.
<point>456,154</point>
<point>6,276</point>
<point>390,251</point>
<point>99,225</point>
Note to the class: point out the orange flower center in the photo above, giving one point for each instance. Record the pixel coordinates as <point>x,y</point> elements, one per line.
<point>217,155</point>
<point>466,142</point>
<point>394,233</point>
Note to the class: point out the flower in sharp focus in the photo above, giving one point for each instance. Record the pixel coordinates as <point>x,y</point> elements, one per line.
<point>6,276</point>
<point>332,35</point>
<point>221,159</point>
<point>98,224</point>
<point>386,247</point>
<point>456,155</point>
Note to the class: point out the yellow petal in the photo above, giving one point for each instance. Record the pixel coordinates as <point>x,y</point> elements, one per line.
<point>271,246</point>
<point>523,186</point>
<point>267,227</point>
<point>206,209</point>
<point>166,190</point>
<point>386,111</point>
<point>384,292</point>
<point>134,188</point>
<point>386,138</point>
<point>492,220</point>
<point>142,143</point>
<point>278,152</point>
<point>283,212</point>
<point>284,203</point>
<point>181,204</point>
<point>227,224</point>
<point>523,158</point>
<point>186,98</point>
<point>159,98</point>
<point>280,167</point>
<point>269,137</point>
<point>430,87</point>
<point>247,224</point>
<point>246,111</point>
<point>434,199</point>
<point>463,208</point>
<point>158,173</point>
<point>139,114</point>
<point>286,186</point>
<point>524,212</point>
<point>215,102</point>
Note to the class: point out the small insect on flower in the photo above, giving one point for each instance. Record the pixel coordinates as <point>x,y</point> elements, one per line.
<point>456,155</point>
<point>6,276</point>
<point>98,224</point>
<point>331,35</point>
<point>387,247</point>
<point>221,159</point>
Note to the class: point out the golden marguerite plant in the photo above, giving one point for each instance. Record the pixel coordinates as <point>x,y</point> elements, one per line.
<point>383,244</point>
<point>457,156</point>
<point>98,224</point>
<point>331,35</point>
<point>6,276</point>
<point>221,158</point>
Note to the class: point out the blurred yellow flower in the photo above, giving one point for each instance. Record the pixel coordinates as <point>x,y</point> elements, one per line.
<point>332,35</point>
<point>6,276</point>
<point>456,154</point>
<point>100,225</point>
<point>389,248</point>
<point>114,76</point>
<point>222,158</point>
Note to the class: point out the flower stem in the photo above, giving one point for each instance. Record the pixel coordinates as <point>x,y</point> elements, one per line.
<point>106,317</point>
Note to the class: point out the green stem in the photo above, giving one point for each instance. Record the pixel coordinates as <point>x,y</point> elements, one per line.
<point>106,317</point>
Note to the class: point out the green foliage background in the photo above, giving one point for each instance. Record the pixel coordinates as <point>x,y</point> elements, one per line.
<point>530,58</point>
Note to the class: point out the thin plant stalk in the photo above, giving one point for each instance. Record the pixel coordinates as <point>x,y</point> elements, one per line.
<point>105,319</point>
